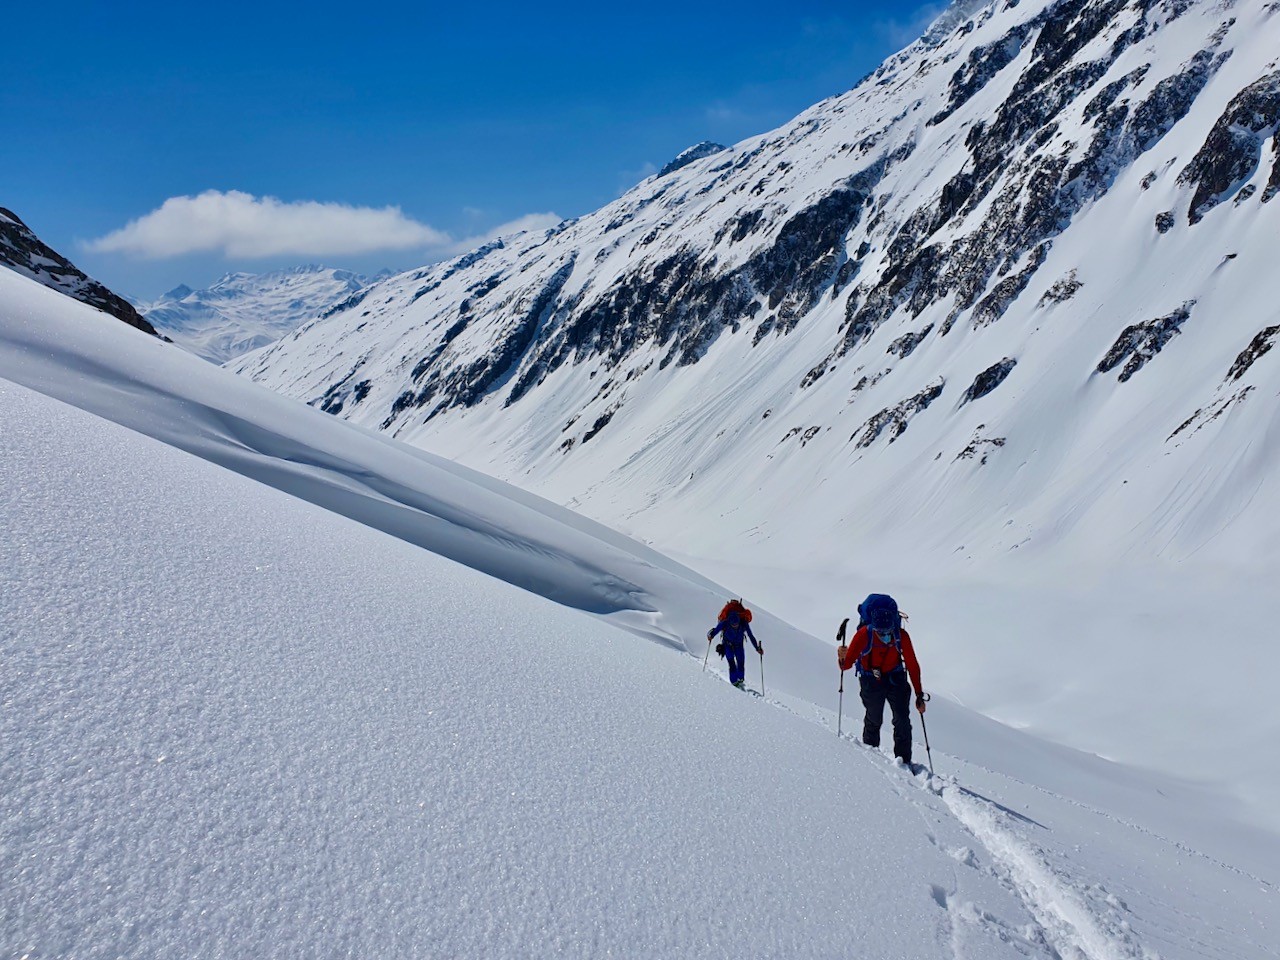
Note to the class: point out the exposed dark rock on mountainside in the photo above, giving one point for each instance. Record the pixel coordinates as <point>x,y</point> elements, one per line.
<point>1261,344</point>
<point>1009,186</point>
<point>23,252</point>
<point>1140,342</point>
<point>980,445</point>
<point>1233,149</point>
<point>698,151</point>
<point>989,379</point>
<point>1021,186</point>
<point>1062,290</point>
<point>897,418</point>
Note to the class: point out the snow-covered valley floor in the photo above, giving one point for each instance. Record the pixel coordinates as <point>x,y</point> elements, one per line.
<point>237,723</point>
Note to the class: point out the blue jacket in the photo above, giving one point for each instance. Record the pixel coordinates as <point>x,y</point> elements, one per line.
<point>733,635</point>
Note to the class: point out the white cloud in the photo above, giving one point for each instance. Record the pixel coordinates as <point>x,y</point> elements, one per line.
<point>239,224</point>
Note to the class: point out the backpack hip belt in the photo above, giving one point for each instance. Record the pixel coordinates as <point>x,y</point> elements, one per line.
<point>881,674</point>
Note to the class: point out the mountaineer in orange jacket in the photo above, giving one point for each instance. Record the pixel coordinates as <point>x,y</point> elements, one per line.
<point>882,652</point>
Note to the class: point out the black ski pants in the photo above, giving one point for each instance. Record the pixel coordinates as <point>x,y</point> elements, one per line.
<point>896,689</point>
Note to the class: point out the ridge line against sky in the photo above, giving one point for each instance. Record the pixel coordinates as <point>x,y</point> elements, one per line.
<point>158,146</point>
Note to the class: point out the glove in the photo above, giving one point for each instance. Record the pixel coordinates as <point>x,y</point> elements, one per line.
<point>760,649</point>
<point>710,634</point>
<point>841,652</point>
<point>720,650</point>
<point>920,702</point>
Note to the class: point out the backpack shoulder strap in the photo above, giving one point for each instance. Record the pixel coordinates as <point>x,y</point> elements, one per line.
<point>871,639</point>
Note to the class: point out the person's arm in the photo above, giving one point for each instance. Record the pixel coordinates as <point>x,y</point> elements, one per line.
<point>711,634</point>
<point>754,642</point>
<point>854,649</point>
<point>913,668</point>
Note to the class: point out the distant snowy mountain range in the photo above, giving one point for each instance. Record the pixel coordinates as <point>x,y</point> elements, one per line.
<point>239,313</point>
<point>245,311</point>
<point>1001,314</point>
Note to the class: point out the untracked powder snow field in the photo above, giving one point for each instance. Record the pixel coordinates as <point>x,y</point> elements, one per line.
<point>237,722</point>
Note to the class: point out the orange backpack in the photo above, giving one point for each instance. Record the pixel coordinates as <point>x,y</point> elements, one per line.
<point>735,605</point>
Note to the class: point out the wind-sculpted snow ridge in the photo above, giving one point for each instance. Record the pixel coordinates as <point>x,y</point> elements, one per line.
<point>52,345</point>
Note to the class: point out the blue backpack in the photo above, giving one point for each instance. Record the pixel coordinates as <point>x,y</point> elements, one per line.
<point>880,613</point>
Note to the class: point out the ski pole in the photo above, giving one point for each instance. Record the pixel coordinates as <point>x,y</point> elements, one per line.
<point>928,753</point>
<point>708,656</point>
<point>761,652</point>
<point>840,709</point>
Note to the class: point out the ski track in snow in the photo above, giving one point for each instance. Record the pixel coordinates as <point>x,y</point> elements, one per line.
<point>1128,824</point>
<point>1074,921</point>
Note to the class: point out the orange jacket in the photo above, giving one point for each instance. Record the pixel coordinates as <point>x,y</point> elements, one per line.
<point>882,656</point>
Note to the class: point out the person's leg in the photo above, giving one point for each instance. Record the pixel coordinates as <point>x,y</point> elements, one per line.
<point>899,694</point>
<point>737,666</point>
<point>873,700</point>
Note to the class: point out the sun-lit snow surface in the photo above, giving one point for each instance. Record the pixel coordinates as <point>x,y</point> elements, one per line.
<point>236,724</point>
<point>1103,554</point>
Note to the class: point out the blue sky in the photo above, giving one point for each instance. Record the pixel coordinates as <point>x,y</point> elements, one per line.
<point>251,136</point>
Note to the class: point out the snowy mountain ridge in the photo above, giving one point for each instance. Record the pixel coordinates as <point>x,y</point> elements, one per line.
<point>242,312</point>
<point>888,242</point>
<point>25,253</point>
<point>996,321</point>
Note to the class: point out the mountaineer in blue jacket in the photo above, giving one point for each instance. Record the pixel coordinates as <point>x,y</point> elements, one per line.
<point>734,625</point>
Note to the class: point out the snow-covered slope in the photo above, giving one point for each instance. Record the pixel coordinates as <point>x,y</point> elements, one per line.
<point>246,311</point>
<point>992,331</point>
<point>240,725</point>
<point>25,253</point>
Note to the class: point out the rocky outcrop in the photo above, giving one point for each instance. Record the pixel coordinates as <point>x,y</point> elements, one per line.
<point>684,301</point>
<point>698,151</point>
<point>988,380</point>
<point>23,252</point>
<point>906,344</point>
<point>1140,342</point>
<point>1062,290</point>
<point>1260,345</point>
<point>992,307</point>
<point>895,420</point>
<point>1232,152</point>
